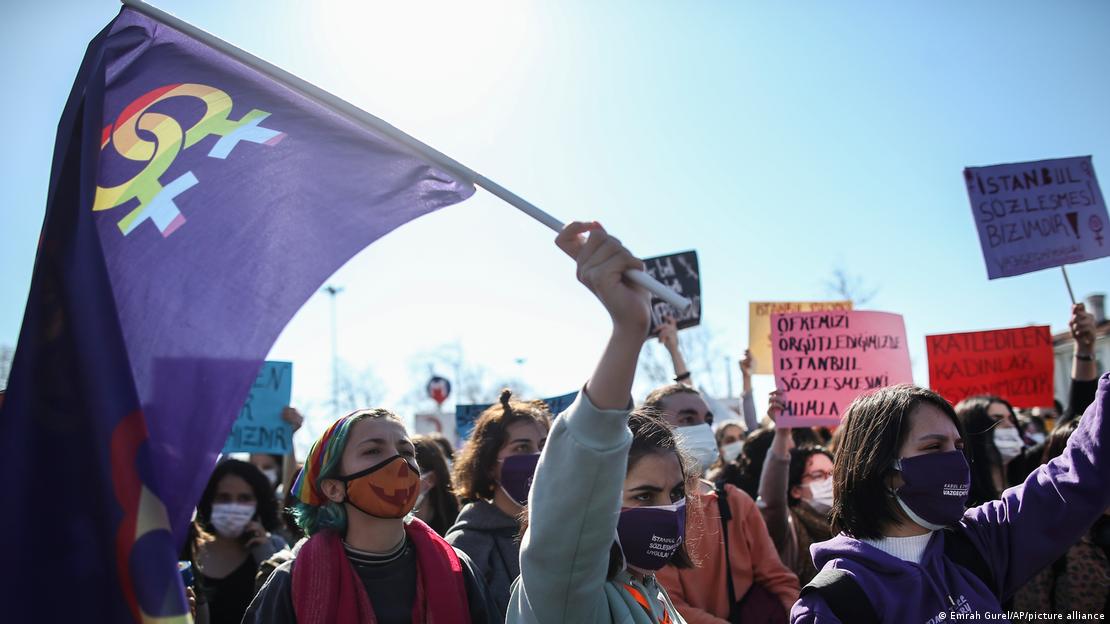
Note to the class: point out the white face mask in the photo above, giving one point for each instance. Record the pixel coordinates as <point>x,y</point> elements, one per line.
<point>1008,442</point>
<point>732,450</point>
<point>229,519</point>
<point>1037,437</point>
<point>699,443</point>
<point>822,492</point>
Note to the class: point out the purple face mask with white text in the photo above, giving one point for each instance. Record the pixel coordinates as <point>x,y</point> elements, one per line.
<point>934,489</point>
<point>650,536</point>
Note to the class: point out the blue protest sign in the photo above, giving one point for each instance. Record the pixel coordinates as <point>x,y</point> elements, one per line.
<point>467,415</point>
<point>259,427</point>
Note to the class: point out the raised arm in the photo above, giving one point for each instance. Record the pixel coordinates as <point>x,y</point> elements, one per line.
<point>668,337</point>
<point>1084,366</point>
<point>774,482</point>
<point>747,402</point>
<point>1035,522</point>
<point>576,492</point>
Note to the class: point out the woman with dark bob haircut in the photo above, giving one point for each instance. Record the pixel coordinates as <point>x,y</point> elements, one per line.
<point>907,550</point>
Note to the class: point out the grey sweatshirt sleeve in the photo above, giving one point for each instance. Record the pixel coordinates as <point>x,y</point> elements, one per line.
<point>773,502</point>
<point>572,518</point>
<point>747,408</point>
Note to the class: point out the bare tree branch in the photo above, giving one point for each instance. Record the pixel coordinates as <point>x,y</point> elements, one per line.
<point>851,287</point>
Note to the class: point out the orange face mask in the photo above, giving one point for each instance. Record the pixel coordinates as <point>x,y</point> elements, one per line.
<point>385,490</point>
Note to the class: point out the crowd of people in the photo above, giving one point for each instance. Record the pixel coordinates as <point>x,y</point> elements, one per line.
<point>912,510</point>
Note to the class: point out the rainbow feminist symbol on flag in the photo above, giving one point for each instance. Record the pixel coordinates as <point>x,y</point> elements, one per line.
<point>155,200</point>
<point>140,341</point>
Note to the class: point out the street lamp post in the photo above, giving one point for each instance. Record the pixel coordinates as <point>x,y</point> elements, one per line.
<point>332,292</point>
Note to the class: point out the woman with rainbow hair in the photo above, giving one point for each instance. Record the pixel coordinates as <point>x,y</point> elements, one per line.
<point>367,558</point>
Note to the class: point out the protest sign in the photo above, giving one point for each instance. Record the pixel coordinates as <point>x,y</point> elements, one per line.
<point>435,422</point>
<point>1037,215</point>
<point>467,415</point>
<point>759,325</point>
<point>824,360</point>
<point>259,427</point>
<point>1016,364</point>
<point>680,272</point>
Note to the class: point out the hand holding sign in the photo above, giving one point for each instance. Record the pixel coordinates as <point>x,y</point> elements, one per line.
<point>1082,327</point>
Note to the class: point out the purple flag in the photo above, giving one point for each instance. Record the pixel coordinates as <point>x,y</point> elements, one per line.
<point>195,204</point>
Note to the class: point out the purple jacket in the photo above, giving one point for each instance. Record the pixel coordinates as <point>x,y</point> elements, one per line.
<point>1031,526</point>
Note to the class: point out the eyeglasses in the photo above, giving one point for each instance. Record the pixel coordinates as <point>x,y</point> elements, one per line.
<point>817,475</point>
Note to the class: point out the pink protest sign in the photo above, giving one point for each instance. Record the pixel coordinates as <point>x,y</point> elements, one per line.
<point>1037,215</point>
<point>824,360</point>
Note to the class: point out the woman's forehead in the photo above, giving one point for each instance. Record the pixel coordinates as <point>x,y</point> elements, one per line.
<point>927,419</point>
<point>661,470</point>
<point>529,429</point>
<point>818,461</point>
<point>233,484</point>
<point>380,428</point>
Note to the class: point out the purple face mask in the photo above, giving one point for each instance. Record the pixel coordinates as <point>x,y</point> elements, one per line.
<point>516,476</point>
<point>935,488</point>
<point>649,536</point>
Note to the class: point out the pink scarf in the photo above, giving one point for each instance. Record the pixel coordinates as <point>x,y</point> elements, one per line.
<point>328,590</point>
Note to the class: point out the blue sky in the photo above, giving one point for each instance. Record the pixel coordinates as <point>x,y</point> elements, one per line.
<point>778,141</point>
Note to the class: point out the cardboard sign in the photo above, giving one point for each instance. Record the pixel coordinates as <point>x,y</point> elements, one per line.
<point>467,415</point>
<point>759,325</point>
<point>824,360</point>
<point>680,272</point>
<point>1015,364</point>
<point>435,422</point>
<point>260,428</point>
<point>1037,215</point>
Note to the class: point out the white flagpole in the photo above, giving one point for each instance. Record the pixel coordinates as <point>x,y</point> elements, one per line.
<point>418,148</point>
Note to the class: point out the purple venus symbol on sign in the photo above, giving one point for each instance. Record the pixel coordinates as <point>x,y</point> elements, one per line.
<point>1096,226</point>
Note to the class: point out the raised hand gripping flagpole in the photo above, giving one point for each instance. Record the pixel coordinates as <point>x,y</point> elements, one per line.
<point>360,116</point>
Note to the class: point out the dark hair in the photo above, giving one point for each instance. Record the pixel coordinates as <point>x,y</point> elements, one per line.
<point>1056,441</point>
<point>756,445</point>
<point>266,502</point>
<point>443,443</point>
<point>979,425</point>
<point>655,398</point>
<point>651,434</point>
<point>473,472</point>
<point>874,427</point>
<point>288,504</point>
<point>445,508</point>
<point>799,456</point>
